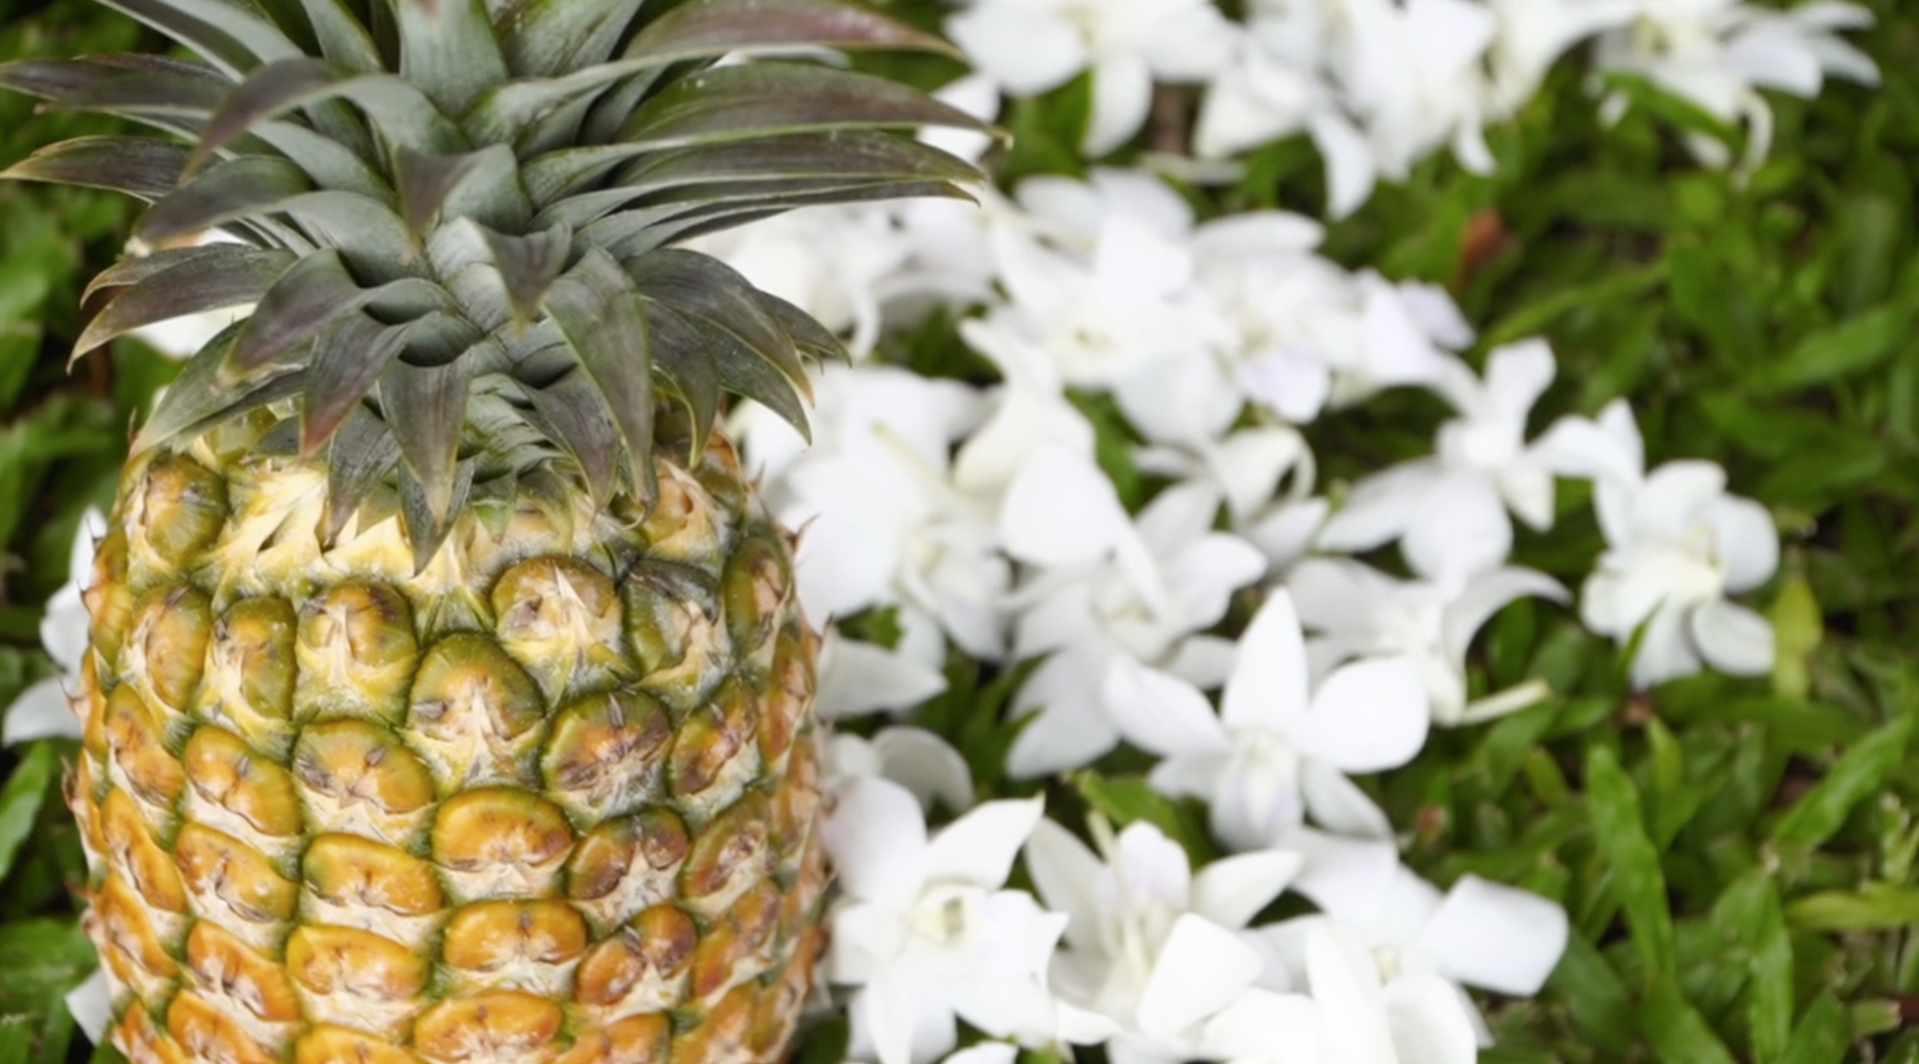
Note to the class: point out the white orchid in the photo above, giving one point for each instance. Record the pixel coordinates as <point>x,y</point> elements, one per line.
<point>1534,34</point>
<point>1356,611</point>
<point>1106,591</point>
<point>1278,749</point>
<point>1677,545</point>
<point>1449,512</point>
<point>924,930</point>
<point>1411,76</point>
<point>43,710</point>
<point>1413,947</point>
<point>883,523</point>
<point>1031,46</point>
<point>1153,950</point>
<point>1274,86</point>
<point>1718,54</point>
<point>914,758</point>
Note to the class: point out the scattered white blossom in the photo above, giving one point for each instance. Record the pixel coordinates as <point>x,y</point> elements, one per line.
<point>1278,749</point>
<point>1153,950</point>
<point>1718,54</point>
<point>1677,545</point>
<point>1356,611</point>
<point>1032,46</point>
<point>925,931</point>
<point>1449,512</point>
<point>914,758</point>
<point>43,710</point>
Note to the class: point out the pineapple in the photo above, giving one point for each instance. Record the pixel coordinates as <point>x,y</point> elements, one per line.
<point>447,698</point>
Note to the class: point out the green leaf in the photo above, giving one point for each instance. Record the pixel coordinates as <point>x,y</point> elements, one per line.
<point>1823,1036</point>
<point>228,34</point>
<point>143,167</point>
<point>425,408</point>
<point>1601,1009</point>
<point>233,188</point>
<point>41,955</point>
<point>1619,830</point>
<point>1676,1030</point>
<point>397,106</point>
<point>342,37</point>
<point>737,368</point>
<point>528,265</point>
<point>1858,774</point>
<point>767,99</point>
<point>713,296</point>
<point>1769,1002</point>
<point>360,453</point>
<point>1851,347</point>
<point>193,285</point>
<point>598,310</point>
<point>1872,906</point>
<point>1126,800</point>
<point>572,413</point>
<point>552,37</point>
<point>20,802</point>
<point>482,185</point>
<point>348,359</point>
<point>448,48</point>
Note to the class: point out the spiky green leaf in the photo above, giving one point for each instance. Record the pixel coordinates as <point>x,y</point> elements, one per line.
<point>448,49</point>
<point>711,293</point>
<point>768,99</point>
<point>425,408</point>
<point>597,309</point>
<point>234,188</point>
<point>191,286</point>
<point>138,166</point>
<point>404,114</point>
<point>360,453</point>
<point>231,35</point>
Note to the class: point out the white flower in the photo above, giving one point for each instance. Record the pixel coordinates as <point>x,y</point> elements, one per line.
<point>91,1005</point>
<point>1448,512</point>
<point>924,930</point>
<point>43,710</point>
<point>858,678</point>
<point>1411,76</point>
<point>1533,34</point>
<point>912,757</point>
<point>1677,544</point>
<point>1356,611</point>
<point>1154,950</point>
<point>882,522</point>
<point>1274,85</point>
<point>1031,46</point>
<point>1718,54</point>
<point>1106,591</point>
<point>1412,948</point>
<point>1277,750</point>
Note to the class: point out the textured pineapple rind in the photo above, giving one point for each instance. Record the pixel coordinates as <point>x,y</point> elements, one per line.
<point>549,799</point>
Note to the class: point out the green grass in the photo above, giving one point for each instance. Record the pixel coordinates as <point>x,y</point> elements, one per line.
<point>1740,859</point>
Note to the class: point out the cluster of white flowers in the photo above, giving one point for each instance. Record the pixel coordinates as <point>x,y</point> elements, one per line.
<point>1380,85</point>
<point>985,522</point>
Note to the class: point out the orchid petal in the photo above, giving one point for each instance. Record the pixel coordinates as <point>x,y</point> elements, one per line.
<point>1495,937</point>
<point>1200,970</point>
<point>42,711</point>
<point>1267,690</point>
<point>1430,1021</point>
<point>925,764</point>
<point>1733,639</point>
<point>1485,596</point>
<point>1026,52</point>
<point>1061,510</point>
<point>1067,875</point>
<point>1337,804</point>
<point>1232,890</point>
<point>876,835</point>
<point>979,848</point>
<point>1747,542</point>
<point>858,678</point>
<point>1368,716</point>
<point>1160,713</point>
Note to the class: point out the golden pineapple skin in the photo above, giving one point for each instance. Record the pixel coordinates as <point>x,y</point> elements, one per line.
<point>551,799</point>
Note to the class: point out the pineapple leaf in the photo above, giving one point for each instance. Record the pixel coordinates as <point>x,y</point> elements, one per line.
<point>348,359</point>
<point>737,368</point>
<point>402,112</point>
<point>689,372</point>
<point>312,295</point>
<point>719,27</point>
<point>703,287</point>
<point>809,336</point>
<point>448,48</point>
<point>360,453</point>
<point>232,188</point>
<point>144,167</point>
<point>636,232</point>
<point>132,271</point>
<point>192,286</point>
<point>325,159</point>
<point>425,408</point>
<point>765,99</point>
<point>694,32</point>
<point>572,413</point>
<point>426,529</point>
<point>481,185</point>
<point>598,311</point>
<point>844,155</point>
<point>231,36</point>
<point>529,264</point>
<point>200,396</point>
<point>343,38</point>
<point>543,38</point>
<point>173,95</point>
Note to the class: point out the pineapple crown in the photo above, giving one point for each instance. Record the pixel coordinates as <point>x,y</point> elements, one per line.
<point>458,216</point>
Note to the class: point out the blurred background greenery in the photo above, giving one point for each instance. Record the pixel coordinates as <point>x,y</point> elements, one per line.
<point>1741,860</point>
